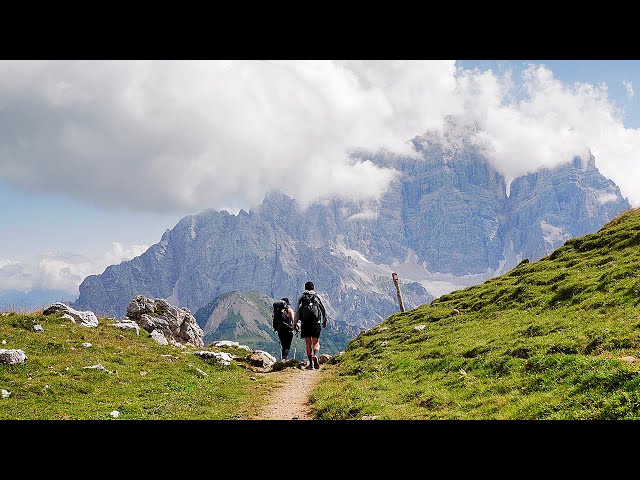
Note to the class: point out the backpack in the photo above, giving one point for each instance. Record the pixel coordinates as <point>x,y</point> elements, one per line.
<point>281,320</point>
<point>309,308</point>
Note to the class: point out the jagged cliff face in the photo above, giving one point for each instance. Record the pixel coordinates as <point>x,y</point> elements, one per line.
<point>547,208</point>
<point>445,223</point>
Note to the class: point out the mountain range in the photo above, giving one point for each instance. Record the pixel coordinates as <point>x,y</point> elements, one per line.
<point>449,220</point>
<point>37,298</point>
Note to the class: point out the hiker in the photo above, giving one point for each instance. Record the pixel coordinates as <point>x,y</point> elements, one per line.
<point>284,324</point>
<point>310,315</point>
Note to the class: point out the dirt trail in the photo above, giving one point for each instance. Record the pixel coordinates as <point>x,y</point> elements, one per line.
<point>291,400</point>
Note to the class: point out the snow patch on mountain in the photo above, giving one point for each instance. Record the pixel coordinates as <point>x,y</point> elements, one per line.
<point>367,214</point>
<point>192,229</point>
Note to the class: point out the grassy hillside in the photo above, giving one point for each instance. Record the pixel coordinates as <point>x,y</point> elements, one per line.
<point>148,381</point>
<point>256,306</point>
<point>554,339</point>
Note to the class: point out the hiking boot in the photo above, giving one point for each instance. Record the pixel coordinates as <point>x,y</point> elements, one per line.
<point>316,364</point>
<point>309,367</point>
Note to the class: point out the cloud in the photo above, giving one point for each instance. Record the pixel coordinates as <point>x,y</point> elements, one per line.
<point>13,276</point>
<point>548,122</point>
<point>61,271</point>
<point>176,136</point>
<point>188,135</point>
<point>628,87</point>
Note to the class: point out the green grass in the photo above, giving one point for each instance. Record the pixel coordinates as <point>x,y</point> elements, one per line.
<point>149,381</point>
<point>546,340</point>
<point>543,341</point>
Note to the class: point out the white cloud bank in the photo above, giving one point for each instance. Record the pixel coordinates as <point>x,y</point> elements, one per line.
<point>188,135</point>
<point>61,271</point>
<point>542,122</point>
<point>628,87</point>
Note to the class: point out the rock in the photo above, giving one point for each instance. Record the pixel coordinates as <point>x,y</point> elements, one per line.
<point>384,344</point>
<point>174,323</point>
<point>38,328</point>
<point>85,318</point>
<point>115,413</point>
<point>5,393</point>
<point>201,372</point>
<point>143,373</point>
<point>127,325</point>
<point>324,358</point>
<point>419,328</point>
<point>455,311</point>
<point>370,417</point>
<point>99,366</point>
<point>220,357</point>
<point>177,344</point>
<point>4,342</point>
<point>256,360</point>
<point>253,378</point>
<point>228,343</point>
<point>87,344</point>
<point>159,337</point>
<point>12,356</point>
<point>270,358</point>
<point>629,359</point>
<point>260,358</point>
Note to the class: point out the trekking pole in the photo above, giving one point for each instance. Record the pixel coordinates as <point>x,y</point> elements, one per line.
<point>297,332</point>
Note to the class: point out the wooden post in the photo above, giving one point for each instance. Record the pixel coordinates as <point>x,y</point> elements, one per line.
<point>394,275</point>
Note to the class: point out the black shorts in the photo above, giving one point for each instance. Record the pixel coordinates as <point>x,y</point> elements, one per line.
<point>285,337</point>
<point>310,330</point>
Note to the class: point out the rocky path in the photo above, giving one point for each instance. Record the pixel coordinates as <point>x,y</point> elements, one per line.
<point>290,401</point>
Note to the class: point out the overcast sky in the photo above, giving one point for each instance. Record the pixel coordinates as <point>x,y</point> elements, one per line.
<point>98,158</point>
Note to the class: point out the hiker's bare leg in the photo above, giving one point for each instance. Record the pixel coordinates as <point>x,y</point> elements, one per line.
<point>309,352</point>
<point>316,351</point>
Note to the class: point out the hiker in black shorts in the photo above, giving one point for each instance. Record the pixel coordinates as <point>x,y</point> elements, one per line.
<point>312,318</point>
<point>284,325</point>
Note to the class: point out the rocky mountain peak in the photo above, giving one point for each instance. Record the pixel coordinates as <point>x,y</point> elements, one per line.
<point>445,223</point>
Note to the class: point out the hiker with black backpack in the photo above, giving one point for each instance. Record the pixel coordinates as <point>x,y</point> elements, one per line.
<point>284,324</point>
<point>312,318</point>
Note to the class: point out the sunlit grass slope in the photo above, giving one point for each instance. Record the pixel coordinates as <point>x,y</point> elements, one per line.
<point>147,380</point>
<point>555,339</point>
